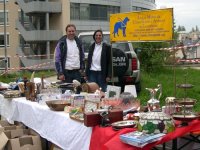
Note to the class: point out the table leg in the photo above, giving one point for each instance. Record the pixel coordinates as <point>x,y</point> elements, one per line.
<point>174,144</point>
<point>164,146</point>
<point>190,139</point>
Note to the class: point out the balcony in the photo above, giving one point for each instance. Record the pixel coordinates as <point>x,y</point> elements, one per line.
<point>30,6</point>
<point>38,35</point>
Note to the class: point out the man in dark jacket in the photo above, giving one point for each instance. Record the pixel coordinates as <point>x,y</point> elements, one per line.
<point>69,56</point>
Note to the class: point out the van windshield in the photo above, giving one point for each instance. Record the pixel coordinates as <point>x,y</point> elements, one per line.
<point>87,40</point>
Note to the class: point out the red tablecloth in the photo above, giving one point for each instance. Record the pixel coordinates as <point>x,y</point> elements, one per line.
<point>108,139</point>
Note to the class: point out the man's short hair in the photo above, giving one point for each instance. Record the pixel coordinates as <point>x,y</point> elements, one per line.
<point>70,25</point>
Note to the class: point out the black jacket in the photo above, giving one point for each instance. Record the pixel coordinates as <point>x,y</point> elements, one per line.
<point>105,59</point>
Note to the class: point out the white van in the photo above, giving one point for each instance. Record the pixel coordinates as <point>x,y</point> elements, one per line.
<point>126,65</point>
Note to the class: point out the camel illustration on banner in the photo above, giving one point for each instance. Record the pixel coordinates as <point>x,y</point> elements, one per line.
<point>121,24</point>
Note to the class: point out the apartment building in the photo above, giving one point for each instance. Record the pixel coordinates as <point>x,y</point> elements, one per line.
<point>34,26</point>
<point>190,39</point>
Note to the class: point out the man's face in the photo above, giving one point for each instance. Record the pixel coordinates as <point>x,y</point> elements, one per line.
<point>71,33</point>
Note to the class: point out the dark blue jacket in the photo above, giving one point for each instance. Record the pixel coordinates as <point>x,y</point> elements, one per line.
<point>61,54</point>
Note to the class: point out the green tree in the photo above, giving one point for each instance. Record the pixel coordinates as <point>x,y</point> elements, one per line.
<point>183,28</point>
<point>193,30</point>
<point>179,28</point>
<point>151,57</point>
<point>197,29</point>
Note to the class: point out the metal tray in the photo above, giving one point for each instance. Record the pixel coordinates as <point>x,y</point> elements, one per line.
<point>124,124</point>
<point>186,117</point>
<point>184,86</point>
<point>185,101</point>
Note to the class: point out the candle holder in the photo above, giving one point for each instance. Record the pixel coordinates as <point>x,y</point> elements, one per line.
<point>186,114</point>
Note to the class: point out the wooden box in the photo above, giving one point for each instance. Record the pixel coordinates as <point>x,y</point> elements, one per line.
<point>92,119</point>
<point>115,115</point>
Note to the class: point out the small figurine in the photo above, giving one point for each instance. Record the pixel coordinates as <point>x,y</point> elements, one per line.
<point>77,86</point>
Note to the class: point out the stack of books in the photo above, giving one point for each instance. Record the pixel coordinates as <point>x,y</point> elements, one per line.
<point>140,139</point>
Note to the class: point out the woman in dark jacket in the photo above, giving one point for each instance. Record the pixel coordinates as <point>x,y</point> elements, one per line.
<point>98,61</point>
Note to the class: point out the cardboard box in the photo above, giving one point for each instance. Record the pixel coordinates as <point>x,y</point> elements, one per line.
<point>11,134</point>
<point>28,142</point>
<point>3,139</point>
<point>4,123</point>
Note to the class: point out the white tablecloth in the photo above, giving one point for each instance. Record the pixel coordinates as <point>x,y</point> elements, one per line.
<point>6,108</point>
<point>54,126</point>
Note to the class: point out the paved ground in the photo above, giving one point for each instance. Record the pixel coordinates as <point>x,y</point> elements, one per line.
<point>51,79</point>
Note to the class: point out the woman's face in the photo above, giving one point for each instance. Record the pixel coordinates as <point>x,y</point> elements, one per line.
<point>98,37</point>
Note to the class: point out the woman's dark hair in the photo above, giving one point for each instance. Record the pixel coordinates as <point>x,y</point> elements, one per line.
<point>95,32</point>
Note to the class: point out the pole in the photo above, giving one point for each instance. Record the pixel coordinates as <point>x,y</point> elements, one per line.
<point>5,35</point>
<point>112,69</point>
<point>174,66</point>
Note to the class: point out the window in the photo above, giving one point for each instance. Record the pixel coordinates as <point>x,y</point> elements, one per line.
<point>3,63</point>
<point>25,17</point>
<point>74,11</point>
<point>2,18</point>
<point>84,11</point>
<point>98,12</point>
<point>113,10</point>
<point>91,12</point>
<point>87,40</point>
<point>134,8</point>
<point>153,1</point>
<point>2,42</point>
<point>1,1</point>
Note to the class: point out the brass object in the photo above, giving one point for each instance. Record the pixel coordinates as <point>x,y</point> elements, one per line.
<point>57,105</point>
<point>30,93</point>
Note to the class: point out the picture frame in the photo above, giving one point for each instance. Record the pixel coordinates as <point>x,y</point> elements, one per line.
<point>90,106</point>
<point>113,91</point>
<point>78,100</point>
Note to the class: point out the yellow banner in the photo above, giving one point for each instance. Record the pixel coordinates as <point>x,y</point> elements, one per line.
<point>153,25</point>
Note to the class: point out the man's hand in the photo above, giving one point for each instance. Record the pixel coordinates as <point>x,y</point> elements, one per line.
<point>82,72</point>
<point>107,79</point>
<point>61,77</point>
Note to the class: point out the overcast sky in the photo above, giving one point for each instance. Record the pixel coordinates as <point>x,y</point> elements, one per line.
<point>186,12</point>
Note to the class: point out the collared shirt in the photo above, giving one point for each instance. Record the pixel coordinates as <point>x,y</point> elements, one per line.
<point>96,58</point>
<point>72,59</point>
